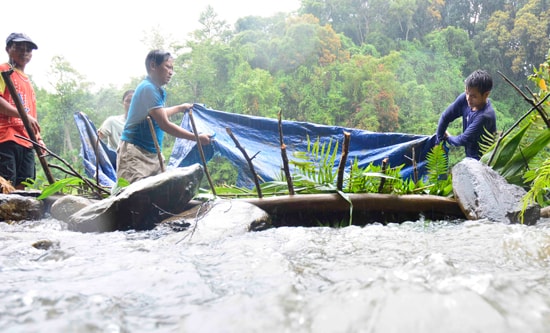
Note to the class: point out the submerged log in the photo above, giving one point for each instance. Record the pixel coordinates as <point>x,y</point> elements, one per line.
<point>367,207</point>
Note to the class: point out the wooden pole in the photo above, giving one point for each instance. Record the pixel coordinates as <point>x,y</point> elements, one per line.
<point>25,119</point>
<point>342,165</point>
<point>415,166</point>
<point>248,160</point>
<point>285,159</point>
<point>96,148</point>
<point>201,152</point>
<point>154,135</point>
<point>384,170</point>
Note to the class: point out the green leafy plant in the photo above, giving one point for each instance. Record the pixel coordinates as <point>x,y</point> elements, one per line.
<point>517,150</point>
<point>437,166</point>
<point>317,163</point>
<point>540,185</point>
<point>222,172</point>
<point>68,185</point>
<point>368,179</point>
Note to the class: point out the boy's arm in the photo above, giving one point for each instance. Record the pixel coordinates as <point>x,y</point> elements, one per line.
<point>453,111</point>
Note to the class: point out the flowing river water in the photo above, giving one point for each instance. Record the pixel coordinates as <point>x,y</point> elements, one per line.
<point>420,276</point>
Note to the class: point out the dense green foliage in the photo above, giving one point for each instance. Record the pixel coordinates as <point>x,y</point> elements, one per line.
<point>388,66</point>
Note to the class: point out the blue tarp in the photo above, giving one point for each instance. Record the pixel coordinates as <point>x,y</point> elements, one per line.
<point>260,138</point>
<point>99,160</point>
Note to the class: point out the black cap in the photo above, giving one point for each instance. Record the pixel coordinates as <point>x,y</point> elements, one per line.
<point>19,37</point>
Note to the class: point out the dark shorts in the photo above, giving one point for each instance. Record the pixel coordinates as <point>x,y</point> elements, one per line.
<point>16,162</point>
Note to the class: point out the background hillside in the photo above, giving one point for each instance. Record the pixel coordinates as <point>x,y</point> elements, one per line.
<point>387,66</point>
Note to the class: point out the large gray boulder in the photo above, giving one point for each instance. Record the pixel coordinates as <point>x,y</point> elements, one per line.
<point>15,207</point>
<point>482,193</point>
<point>141,205</point>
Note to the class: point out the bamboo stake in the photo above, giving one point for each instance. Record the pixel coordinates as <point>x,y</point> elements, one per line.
<point>96,148</point>
<point>25,119</point>
<point>154,135</point>
<point>285,159</point>
<point>201,152</point>
<point>248,160</point>
<point>342,165</point>
<point>384,169</point>
<point>414,165</point>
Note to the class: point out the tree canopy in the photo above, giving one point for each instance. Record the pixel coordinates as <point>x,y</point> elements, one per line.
<point>380,65</point>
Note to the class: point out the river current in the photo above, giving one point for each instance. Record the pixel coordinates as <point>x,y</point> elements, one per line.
<point>420,276</point>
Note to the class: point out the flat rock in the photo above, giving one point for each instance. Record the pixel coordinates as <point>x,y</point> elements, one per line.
<point>141,205</point>
<point>65,206</point>
<point>15,207</point>
<point>482,193</point>
<point>220,218</point>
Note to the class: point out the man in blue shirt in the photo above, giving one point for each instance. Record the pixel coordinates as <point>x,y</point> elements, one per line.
<point>478,115</point>
<point>137,154</point>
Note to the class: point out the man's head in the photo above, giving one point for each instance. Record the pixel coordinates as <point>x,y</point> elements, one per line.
<point>160,66</point>
<point>19,48</point>
<point>127,99</point>
<point>478,87</point>
<point>481,80</point>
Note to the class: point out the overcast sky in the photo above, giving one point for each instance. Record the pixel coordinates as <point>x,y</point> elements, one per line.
<point>103,39</point>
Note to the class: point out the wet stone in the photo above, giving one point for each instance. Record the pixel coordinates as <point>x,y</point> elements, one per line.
<point>482,193</point>
<point>45,244</point>
<point>220,218</point>
<point>15,207</point>
<point>64,207</point>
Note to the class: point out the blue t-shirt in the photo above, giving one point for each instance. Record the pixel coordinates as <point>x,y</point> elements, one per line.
<point>147,96</point>
<point>474,124</point>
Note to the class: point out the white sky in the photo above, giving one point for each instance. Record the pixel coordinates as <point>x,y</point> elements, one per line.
<point>103,39</point>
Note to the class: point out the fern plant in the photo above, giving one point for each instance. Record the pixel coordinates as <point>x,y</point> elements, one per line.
<point>317,163</point>
<point>369,178</point>
<point>437,166</point>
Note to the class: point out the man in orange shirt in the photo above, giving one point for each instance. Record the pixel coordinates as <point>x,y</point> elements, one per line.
<point>17,155</point>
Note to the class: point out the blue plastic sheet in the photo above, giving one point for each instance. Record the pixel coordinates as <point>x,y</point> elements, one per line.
<point>260,139</point>
<point>98,159</point>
